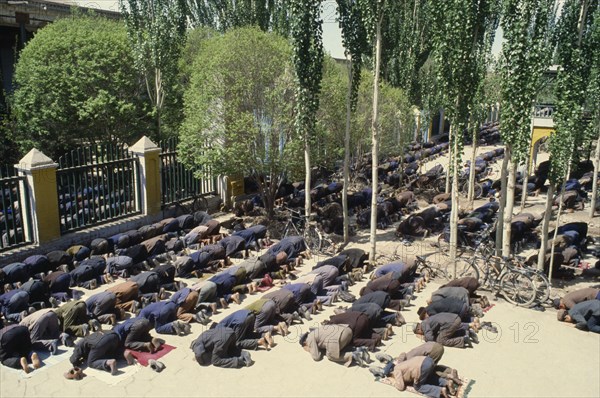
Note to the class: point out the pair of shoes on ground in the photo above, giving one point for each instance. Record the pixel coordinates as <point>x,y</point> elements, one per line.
<point>181,328</point>
<point>74,374</point>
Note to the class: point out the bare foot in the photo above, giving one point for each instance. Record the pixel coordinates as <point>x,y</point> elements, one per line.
<point>129,357</point>
<point>112,364</point>
<point>269,338</point>
<point>35,361</point>
<point>24,365</point>
<point>223,303</point>
<point>236,298</point>
<point>213,308</point>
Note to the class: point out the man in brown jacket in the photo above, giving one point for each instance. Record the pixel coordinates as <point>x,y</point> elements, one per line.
<point>334,339</point>
<point>578,296</point>
<point>430,349</point>
<point>419,373</point>
<point>127,296</point>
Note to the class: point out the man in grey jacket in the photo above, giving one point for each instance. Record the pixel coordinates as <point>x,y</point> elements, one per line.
<point>585,315</point>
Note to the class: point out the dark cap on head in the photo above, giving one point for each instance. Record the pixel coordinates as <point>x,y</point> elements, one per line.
<point>421,311</point>
<point>303,338</point>
<point>556,302</point>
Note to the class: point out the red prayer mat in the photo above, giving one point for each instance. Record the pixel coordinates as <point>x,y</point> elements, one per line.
<point>488,308</point>
<point>263,288</point>
<point>144,357</point>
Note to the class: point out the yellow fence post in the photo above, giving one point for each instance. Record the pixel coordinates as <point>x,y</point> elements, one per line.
<point>40,173</point>
<point>150,183</point>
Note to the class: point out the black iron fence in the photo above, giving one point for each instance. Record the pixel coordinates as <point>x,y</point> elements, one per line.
<point>95,184</point>
<point>15,213</point>
<point>178,182</point>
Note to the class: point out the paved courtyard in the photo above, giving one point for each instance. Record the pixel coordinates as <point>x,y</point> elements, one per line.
<point>533,355</point>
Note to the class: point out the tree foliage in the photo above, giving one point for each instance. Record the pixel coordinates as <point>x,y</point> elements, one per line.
<point>222,15</point>
<point>239,109</point>
<point>526,52</point>
<point>156,30</point>
<point>462,34</point>
<point>575,51</point>
<point>306,34</point>
<point>77,84</point>
<point>354,40</point>
<point>407,45</point>
<point>395,118</point>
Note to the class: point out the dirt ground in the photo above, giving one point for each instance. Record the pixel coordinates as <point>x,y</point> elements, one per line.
<point>532,355</point>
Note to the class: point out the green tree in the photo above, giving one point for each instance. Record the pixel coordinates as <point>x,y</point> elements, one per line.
<point>593,97</point>
<point>222,15</point>
<point>77,84</point>
<point>156,31</point>
<point>373,12</point>
<point>575,49</point>
<point>354,39</point>
<point>394,117</point>
<point>306,33</point>
<point>527,26</point>
<point>239,110</point>
<point>462,32</point>
<point>406,46</point>
<point>328,145</point>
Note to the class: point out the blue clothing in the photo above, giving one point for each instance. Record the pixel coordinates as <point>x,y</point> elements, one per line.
<point>225,283</point>
<point>399,267</point>
<point>162,314</point>
<point>123,329</point>
<point>291,245</point>
<point>235,319</point>
<point>180,296</point>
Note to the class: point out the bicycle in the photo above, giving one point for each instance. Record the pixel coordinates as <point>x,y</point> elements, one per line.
<point>467,241</point>
<point>299,225</point>
<point>445,267</point>
<point>541,281</point>
<point>500,276</point>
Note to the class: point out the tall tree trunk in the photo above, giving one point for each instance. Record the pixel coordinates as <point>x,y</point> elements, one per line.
<point>560,206</point>
<point>307,181</point>
<point>375,143</point>
<point>450,160</point>
<point>471,195</point>
<point>502,202</point>
<point>159,101</point>
<point>524,194</point>
<point>455,203</point>
<point>545,226</point>
<point>347,156</point>
<point>508,208</point>
<point>595,181</point>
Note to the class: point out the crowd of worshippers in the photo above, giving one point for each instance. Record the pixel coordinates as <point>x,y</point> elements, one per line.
<point>41,310</point>
<point>451,319</point>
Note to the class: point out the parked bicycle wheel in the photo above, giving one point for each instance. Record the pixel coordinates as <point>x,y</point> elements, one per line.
<point>290,230</point>
<point>518,288</point>
<point>313,239</point>
<point>477,190</point>
<point>464,269</point>
<point>542,285</point>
